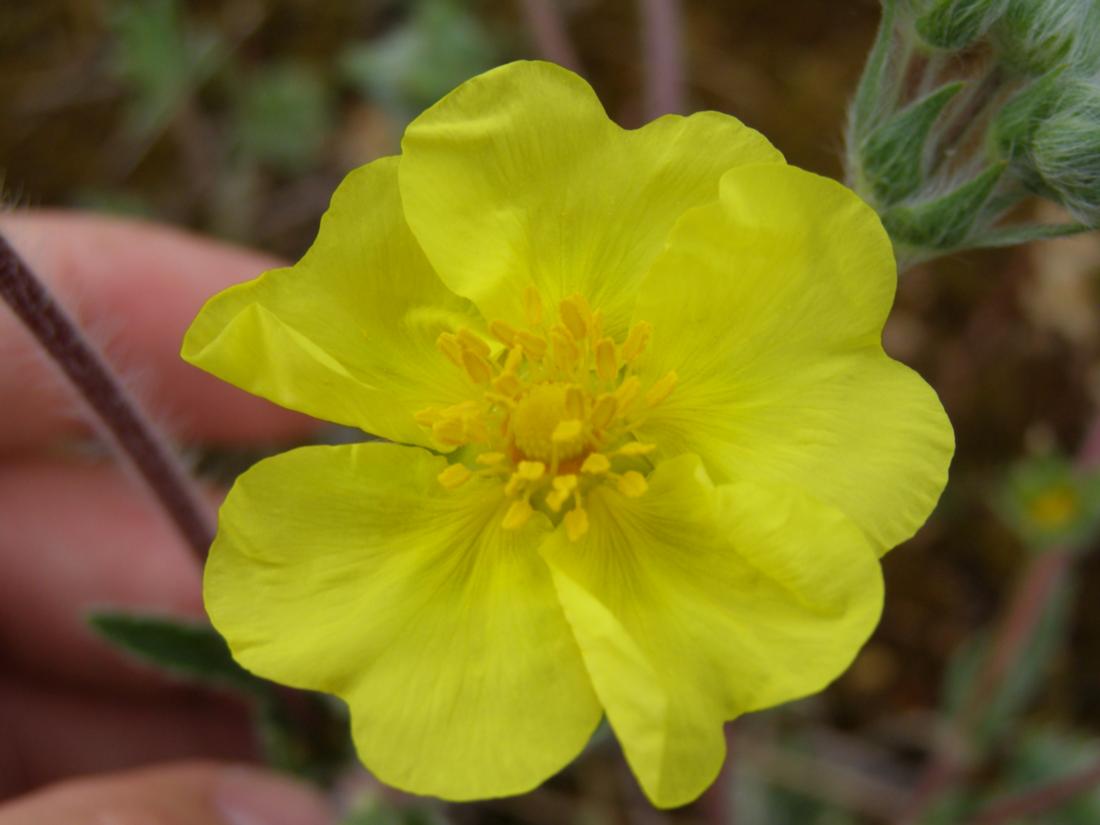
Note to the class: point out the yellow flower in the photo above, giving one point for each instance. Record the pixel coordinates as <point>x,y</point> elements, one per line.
<point>674,447</point>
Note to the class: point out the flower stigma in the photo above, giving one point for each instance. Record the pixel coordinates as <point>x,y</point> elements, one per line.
<point>559,403</point>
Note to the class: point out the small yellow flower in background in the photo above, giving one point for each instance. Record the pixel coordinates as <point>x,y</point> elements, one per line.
<point>673,447</point>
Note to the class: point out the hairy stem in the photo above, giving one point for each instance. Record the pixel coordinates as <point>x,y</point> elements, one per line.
<point>663,52</point>
<point>116,410</point>
<point>547,26</point>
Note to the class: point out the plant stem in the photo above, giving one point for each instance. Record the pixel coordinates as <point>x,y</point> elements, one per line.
<point>662,41</point>
<point>547,26</point>
<point>117,411</point>
<point>1039,800</point>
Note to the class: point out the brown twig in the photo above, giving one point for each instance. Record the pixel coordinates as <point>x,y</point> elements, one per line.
<point>547,26</point>
<point>663,51</point>
<point>116,410</point>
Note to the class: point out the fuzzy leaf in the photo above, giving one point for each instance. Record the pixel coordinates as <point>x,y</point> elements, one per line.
<point>893,156</point>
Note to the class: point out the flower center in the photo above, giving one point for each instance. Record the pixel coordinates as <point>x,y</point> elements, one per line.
<point>558,406</point>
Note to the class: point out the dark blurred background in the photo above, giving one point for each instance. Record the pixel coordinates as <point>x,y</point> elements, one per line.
<point>238,119</point>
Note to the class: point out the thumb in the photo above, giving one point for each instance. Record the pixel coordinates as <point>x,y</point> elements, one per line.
<point>185,794</point>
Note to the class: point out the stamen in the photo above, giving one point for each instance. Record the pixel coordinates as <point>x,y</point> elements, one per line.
<point>660,390</point>
<point>636,340</point>
<point>603,411</point>
<point>518,514</point>
<point>596,464</point>
<point>476,367</point>
<point>573,316</point>
<point>508,385</point>
<point>449,431</point>
<point>633,448</point>
<point>574,402</point>
<point>533,345</point>
<point>627,392</point>
<point>566,353</point>
<point>576,523</point>
<point>567,431</point>
<point>449,346</point>
<point>454,476</point>
<point>490,459</point>
<point>532,306</point>
<point>503,332</point>
<point>472,342</point>
<point>530,470</point>
<point>607,366</point>
<point>632,484</point>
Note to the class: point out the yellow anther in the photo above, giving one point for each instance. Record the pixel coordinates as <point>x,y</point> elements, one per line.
<point>574,402</point>
<point>533,345</point>
<point>518,514</point>
<point>454,476</point>
<point>576,523</point>
<point>563,489</point>
<point>476,430</point>
<point>555,499</point>
<point>596,464</point>
<point>503,332</point>
<point>427,417</point>
<point>473,343</point>
<point>476,367</point>
<point>607,363</point>
<point>514,359</point>
<point>636,340</point>
<point>507,385</point>
<point>490,459</point>
<point>632,484</point>
<point>449,346</point>
<point>513,485</point>
<point>532,306</point>
<point>449,431</point>
<point>660,391</point>
<point>633,448</point>
<point>627,392</point>
<point>567,431</point>
<point>565,483</point>
<point>574,317</point>
<point>566,353</point>
<point>530,470</point>
<point>603,412</point>
<point>595,326</point>
<point>502,400</point>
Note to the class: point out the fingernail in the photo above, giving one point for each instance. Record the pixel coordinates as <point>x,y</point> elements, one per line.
<point>244,796</point>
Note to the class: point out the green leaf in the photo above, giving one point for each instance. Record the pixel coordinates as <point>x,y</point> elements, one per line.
<point>869,92</point>
<point>893,156</point>
<point>283,116</point>
<point>189,650</point>
<point>955,24</point>
<point>440,44</point>
<point>1016,235</point>
<point>161,58</point>
<point>942,222</point>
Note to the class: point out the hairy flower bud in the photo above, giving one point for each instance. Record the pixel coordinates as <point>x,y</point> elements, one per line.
<point>1066,151</point>
<point>1038,36</point>
<point>955,24</point>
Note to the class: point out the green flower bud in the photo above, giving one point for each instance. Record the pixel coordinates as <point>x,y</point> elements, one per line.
<point>893,156</point>
<point>955,24</point>
<point>944,221</point>
<point>1065,151</point>
<point>1038,36</point>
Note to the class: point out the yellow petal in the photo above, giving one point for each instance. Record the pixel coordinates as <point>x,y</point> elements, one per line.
<point>347,334</point>
<point>351,570</point>
<point>775,339</point>
<point>694,604</point>
<point>520,170</point>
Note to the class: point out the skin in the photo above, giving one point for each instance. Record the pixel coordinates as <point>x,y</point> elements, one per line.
<point>76,533</point>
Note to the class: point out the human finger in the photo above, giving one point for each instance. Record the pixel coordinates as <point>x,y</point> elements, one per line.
<point>134,288</point>
<point>189,794</point>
